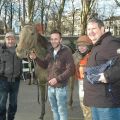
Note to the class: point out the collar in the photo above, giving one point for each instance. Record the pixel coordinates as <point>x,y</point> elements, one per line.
<point>102,38</point>
<point>61,48</point>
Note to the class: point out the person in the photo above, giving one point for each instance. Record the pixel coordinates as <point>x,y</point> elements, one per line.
<point>104,96</point>
<point>10,71</point>
<point>81,55</point>
<point>60,65</point>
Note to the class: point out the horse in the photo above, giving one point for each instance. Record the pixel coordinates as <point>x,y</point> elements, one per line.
<point>31,40</point>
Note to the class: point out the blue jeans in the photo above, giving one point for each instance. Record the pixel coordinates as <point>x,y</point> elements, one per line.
<point>58,101</point>
<point>105,113</point>
<point>11,89</point>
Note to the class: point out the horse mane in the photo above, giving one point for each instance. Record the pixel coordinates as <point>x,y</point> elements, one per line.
<point>42,40</point>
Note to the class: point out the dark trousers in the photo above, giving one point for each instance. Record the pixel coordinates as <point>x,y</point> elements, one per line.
<point>8,89</point>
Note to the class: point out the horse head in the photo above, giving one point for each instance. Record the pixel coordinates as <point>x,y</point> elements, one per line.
<point>30,40</point>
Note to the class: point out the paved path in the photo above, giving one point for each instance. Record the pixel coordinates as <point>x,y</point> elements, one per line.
<point>29,109</point>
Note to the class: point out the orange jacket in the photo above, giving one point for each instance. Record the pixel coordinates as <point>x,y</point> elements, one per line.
<point>82,65</point>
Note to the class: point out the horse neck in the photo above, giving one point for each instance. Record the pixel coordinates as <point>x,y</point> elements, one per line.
<point>41,46</point>
<point>42,41</point>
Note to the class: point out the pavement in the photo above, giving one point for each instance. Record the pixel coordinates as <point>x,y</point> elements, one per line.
<point>29,109</point>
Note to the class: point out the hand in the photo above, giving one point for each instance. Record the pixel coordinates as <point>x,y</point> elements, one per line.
<point>102,78</point>
<point>53,81</point>
<point>32,55</point>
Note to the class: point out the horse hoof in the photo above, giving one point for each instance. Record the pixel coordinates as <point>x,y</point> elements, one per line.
<point>41,117</point>
<point>29,83</point>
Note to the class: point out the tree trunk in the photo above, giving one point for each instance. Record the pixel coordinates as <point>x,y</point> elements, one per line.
<point>60,11</point>
<point>118,3</point>
<point>85,13</point>
<point>24,11</point>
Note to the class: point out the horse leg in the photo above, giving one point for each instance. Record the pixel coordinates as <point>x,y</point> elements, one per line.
<point>31,72</point>
<point>43,100</point>
<point>30,81</point>
<point>71,88</point>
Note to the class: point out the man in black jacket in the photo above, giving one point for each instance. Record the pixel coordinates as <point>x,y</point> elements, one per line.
<point>104,96</point>
<point>10,70</point>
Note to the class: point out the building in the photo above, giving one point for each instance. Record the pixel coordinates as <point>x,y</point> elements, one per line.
<point>112,24</point>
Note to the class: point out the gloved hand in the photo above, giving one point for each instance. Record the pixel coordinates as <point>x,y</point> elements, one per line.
<point>102,78</point>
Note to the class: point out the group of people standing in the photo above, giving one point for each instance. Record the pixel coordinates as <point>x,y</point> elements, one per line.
<point>99,96</point>
<point>99,92</point>
<point>99,99</point>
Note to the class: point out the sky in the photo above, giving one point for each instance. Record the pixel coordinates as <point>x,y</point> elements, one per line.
<point>105,7</point>
<point>109,6</point>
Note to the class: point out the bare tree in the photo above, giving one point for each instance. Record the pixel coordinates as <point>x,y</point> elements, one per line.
<point>31,5</point>
<point>2,3</point>
<point>47,15</point>
<point>27,11</point>
<point>85,14</point>
<point>60,11</point>
<point>73,16</point>
<point>24,10</point>
<point>8,16</point>
<point>117,2</point>
<point>35,11</point>
<point>11,14</point>
<point>57,9</point>
<point>42,12</point>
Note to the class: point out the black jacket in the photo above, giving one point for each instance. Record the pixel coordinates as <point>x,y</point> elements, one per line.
<point>104,95</point>
<point>10,64</point>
